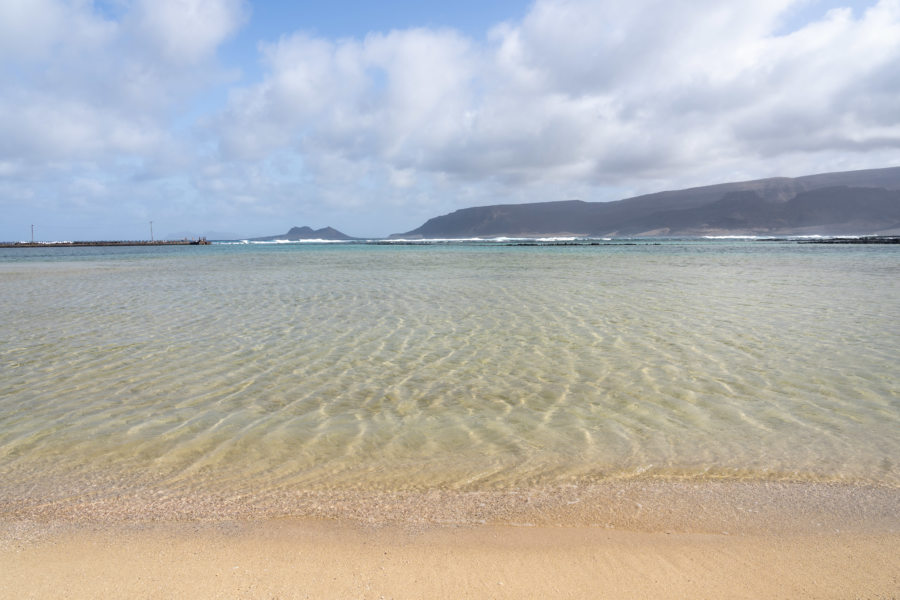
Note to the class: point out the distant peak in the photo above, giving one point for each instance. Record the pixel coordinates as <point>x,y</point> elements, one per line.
<point>300,230</point>
<point>307,233</point>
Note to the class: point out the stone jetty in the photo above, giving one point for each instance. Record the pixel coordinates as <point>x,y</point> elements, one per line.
<point>200,242</point>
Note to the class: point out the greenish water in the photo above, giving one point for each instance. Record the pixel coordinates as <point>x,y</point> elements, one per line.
<point>451,367</point>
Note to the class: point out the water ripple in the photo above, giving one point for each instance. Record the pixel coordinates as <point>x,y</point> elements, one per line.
<point>466,368</point>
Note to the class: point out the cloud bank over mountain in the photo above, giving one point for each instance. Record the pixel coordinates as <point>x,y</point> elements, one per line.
<point>114,113</point>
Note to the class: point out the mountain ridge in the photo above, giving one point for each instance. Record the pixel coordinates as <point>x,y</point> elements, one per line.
<point>849,202</point>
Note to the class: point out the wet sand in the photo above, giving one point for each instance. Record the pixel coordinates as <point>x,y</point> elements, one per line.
<point>618,540</point>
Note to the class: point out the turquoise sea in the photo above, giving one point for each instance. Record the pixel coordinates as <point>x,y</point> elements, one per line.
<point>236,370</point>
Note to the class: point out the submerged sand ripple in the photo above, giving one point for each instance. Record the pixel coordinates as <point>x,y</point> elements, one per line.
<point>676,506</point>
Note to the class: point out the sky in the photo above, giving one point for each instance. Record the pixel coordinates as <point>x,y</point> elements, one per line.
<point>248,117</point>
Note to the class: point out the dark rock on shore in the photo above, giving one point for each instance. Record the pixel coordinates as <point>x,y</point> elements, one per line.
<point>869,239</point>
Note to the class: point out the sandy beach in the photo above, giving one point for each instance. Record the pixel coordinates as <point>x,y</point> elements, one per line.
<point>320,559</point>
<point>617,540</point>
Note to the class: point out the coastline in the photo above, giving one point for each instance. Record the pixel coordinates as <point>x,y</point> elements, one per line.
<point>626,539</point>
<point>691,505</point>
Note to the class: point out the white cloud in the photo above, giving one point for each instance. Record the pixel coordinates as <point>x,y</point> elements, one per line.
<point>589,91</point>
<point>89,102</point>
<point>79,86</point>
<point>29,29</point>
<point>186,31</point>
<point>590,98</point>
<point>396,95</point>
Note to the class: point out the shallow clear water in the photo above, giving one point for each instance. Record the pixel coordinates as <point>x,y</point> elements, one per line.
<point>470,367</point>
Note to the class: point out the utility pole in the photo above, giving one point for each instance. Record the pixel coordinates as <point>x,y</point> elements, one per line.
<point>151,231</point>
<point>32,234</point>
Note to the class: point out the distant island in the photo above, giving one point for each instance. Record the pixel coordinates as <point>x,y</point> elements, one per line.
<point>844,203</point>
<point>306,233</point>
